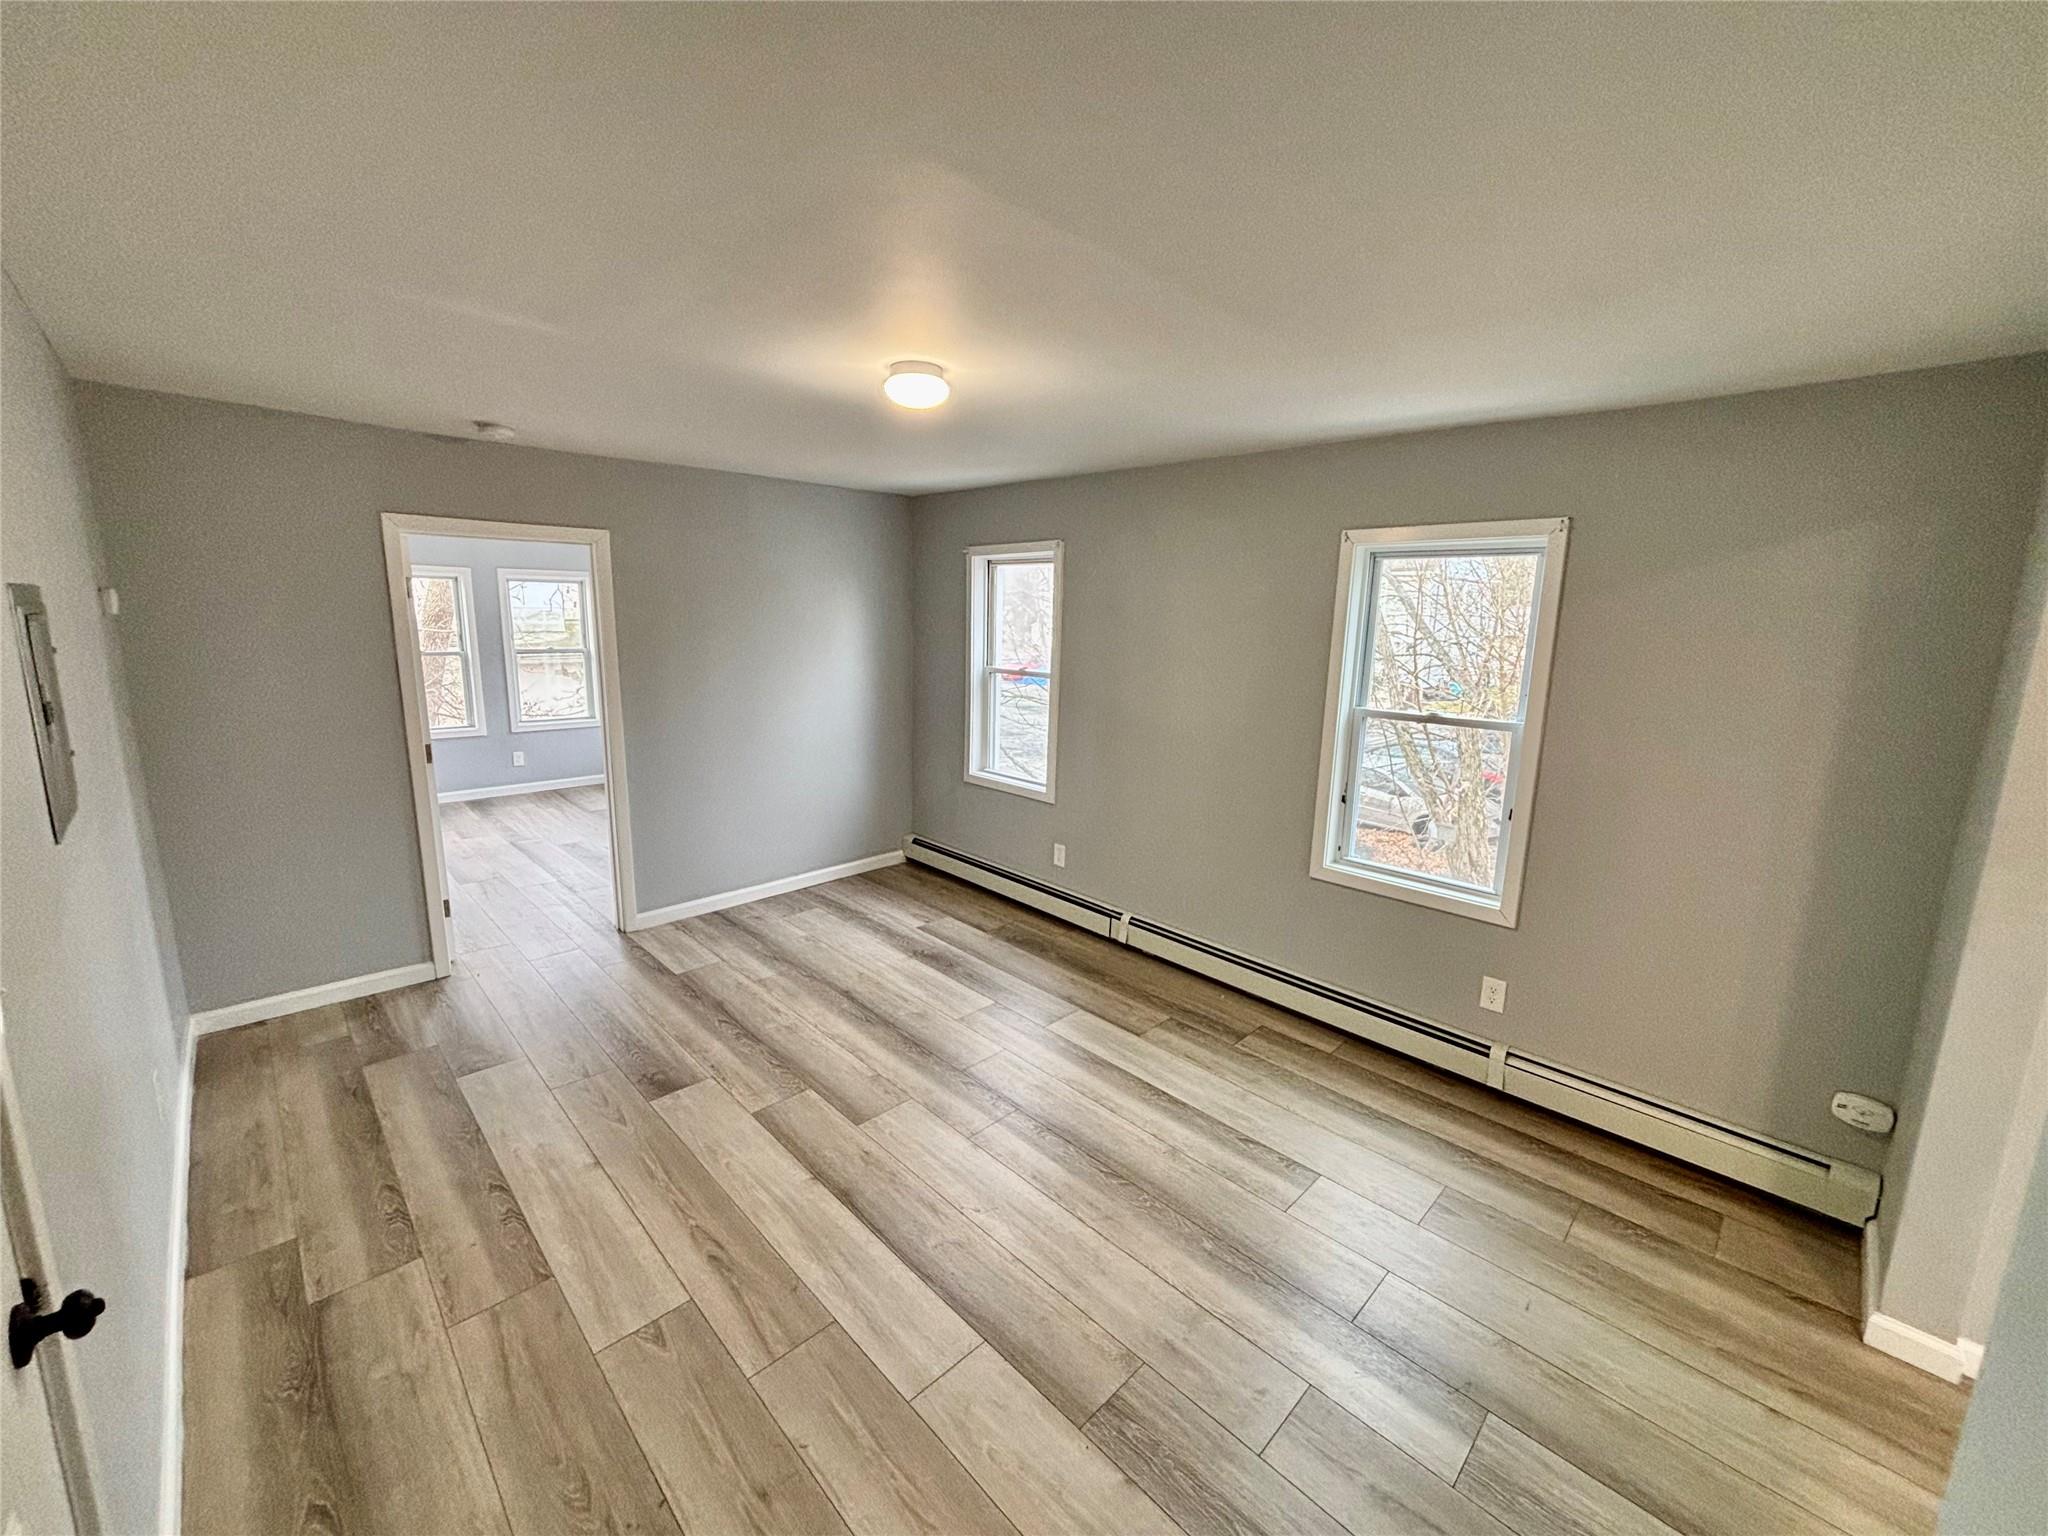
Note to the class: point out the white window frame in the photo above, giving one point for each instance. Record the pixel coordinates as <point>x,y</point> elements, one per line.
<point>588,650</point>
<point>1350,643</point>
<point>465,624</point>
<point>982,561</point>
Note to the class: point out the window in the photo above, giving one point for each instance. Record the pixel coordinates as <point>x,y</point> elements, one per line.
<point>550,660</point>
<point>1437,675</point>
<point>1013,679</point>
<point>445,620</point>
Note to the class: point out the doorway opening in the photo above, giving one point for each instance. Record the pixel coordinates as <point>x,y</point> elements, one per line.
<point>509,680</point>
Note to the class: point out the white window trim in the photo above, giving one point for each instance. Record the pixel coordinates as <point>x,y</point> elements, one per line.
<point>979,560</point>
<point>1545,536</point>
<point>472,667</point>
<point>589,650</point>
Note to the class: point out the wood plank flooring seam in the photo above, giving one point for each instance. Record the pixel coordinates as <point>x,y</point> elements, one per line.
<point>830,1321</point>
<point>739,1471</point>
<point>609,1446</point>
<point>882,1382</point>
<point>1368,1300</point>
<point>1292,1252</point>
<point>1805,1466</point>
<point>1123,1521</point>
<point>1726,1370</point>
<point>1130,1333</point>
<point>469,1402</point>
<point>1059,1348</point>
<point>1367,1483</point>
<point>1423,1408</point>
<point>1535,1431</point>
<point>1223,1322</point>
<point>872,1293</point>
<point>1484,1148</point>
<point>568,1194</point>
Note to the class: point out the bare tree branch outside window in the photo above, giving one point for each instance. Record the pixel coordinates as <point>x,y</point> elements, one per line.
<point>1450,638</point>
<point>444,664</point>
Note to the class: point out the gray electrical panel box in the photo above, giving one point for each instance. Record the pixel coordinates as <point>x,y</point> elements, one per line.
<point>45,703</point>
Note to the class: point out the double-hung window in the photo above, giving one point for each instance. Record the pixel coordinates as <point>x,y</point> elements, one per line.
<point>550,654</point>
<point>1013,679</point>
<point>1438,669</point>
<point>444,618</point>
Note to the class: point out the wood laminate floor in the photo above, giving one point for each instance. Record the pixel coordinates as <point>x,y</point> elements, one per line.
<point>891,1207</point>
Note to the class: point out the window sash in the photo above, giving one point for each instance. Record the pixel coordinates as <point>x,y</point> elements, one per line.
<point>458,577</point>
<point>1340,851</point>
<point>1362,712</point>
<point>992,670</point>
<point>991,614</point>
<point>991,678</point>
<point>515,652</point>
<point>1366,603</point>
<point>985,673</point>
<point>1349,714</point>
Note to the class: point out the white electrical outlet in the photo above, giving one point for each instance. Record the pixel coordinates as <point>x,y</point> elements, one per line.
<point>1863,1112</point>
<point>1493,994</point>
<point>518,759</point>
<point>1059,855</point>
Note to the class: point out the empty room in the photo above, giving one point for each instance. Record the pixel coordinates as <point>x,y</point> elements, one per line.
<point>853,770</point>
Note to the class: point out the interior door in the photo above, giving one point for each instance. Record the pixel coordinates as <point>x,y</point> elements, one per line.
<point>35,1499</point>
<point>426,796</point>
<point>435,851</point>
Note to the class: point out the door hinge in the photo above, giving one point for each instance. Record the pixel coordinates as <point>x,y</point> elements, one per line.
<point>447,907</point>
<point>430,751</point>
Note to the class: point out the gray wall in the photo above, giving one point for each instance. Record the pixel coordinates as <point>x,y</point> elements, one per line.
<point>479,762</point>
<point>93,1024</point>
<point>1999,1484</point>
<point>764,636</point>
<point>1976,1090</point>
<point>1781,625</point>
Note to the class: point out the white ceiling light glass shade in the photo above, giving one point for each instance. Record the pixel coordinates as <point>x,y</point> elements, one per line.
<point>916,386</point>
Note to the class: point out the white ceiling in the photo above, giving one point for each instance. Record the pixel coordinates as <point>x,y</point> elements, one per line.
<point>1133,233</point>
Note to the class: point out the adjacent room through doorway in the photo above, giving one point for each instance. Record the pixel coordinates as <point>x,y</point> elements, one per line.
<point>511,701</point>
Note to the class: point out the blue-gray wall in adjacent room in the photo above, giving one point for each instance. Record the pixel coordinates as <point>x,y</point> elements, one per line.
<point>485,762</point>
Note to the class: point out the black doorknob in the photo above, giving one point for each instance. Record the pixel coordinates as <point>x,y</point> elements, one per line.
<point>28,1325</point>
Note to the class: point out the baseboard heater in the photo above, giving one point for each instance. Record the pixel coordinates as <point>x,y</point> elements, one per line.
<point>1842,1190</point>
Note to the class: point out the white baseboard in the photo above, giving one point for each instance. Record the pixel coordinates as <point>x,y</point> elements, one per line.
<point>537,787</point>
<point>171,1470</point>
<point>1972,1356</point>
<point>740,898</point>
<point>1950,1359</point>
<point>346,990</point>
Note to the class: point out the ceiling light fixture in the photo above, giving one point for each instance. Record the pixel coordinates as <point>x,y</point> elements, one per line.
<point>495,431</point>
<point>916,386</point>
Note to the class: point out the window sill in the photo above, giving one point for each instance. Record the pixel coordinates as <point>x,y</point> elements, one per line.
<point>1500,913</point>
<point>556,725</point>
<point>1011,786</point>
<point>457,732</point>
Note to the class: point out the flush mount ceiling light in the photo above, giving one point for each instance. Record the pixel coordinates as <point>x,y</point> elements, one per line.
<point>494,431</point>
<point>916,386</point>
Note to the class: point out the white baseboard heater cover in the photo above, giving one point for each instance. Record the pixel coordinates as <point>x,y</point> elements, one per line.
<point>1842,1190</point>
